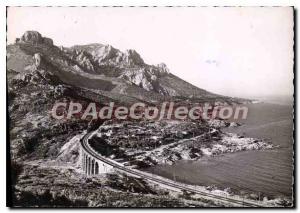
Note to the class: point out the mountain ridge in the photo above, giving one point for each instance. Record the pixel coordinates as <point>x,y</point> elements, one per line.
<point>105,69</point>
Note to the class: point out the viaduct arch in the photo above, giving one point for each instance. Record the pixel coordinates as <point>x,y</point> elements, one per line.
<point>92,166</point>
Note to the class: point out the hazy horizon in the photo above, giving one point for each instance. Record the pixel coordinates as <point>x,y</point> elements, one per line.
<point>242,52</point>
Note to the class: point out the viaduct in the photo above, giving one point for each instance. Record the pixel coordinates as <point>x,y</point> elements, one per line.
<point>94,164</point>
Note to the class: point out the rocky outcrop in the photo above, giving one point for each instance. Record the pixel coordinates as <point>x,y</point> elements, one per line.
<point>139,78</point>
<point>95,57</point>
<point>132,58</point>
<point>37,59</point>
<point>84,60</point>
<point>34,37</point>
<point>163,68</point>
<point>48,41</point>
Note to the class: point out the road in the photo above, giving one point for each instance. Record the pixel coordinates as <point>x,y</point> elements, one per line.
<point>244,203</point>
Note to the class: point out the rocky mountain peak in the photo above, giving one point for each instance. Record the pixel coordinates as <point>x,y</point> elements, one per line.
<point>133,58</point>
<point>107,68</point>
<point>106,53</point>
<point>34,37</point>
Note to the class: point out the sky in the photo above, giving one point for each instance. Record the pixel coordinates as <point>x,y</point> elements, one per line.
<point>234,51</point>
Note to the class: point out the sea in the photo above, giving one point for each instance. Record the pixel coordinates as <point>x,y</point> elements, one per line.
<point>265,172</point>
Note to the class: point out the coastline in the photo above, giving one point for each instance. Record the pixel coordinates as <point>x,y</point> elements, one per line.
<point>265,170</point>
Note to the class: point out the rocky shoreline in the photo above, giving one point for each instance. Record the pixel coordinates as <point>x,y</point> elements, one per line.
<point>147,145</point>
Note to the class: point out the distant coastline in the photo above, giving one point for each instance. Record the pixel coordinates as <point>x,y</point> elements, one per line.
<point>280,100</point>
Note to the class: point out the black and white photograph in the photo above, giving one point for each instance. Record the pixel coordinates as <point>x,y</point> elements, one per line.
<point>150,107</point>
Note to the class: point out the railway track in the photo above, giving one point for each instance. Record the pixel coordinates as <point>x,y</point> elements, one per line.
<point>85,145</point>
